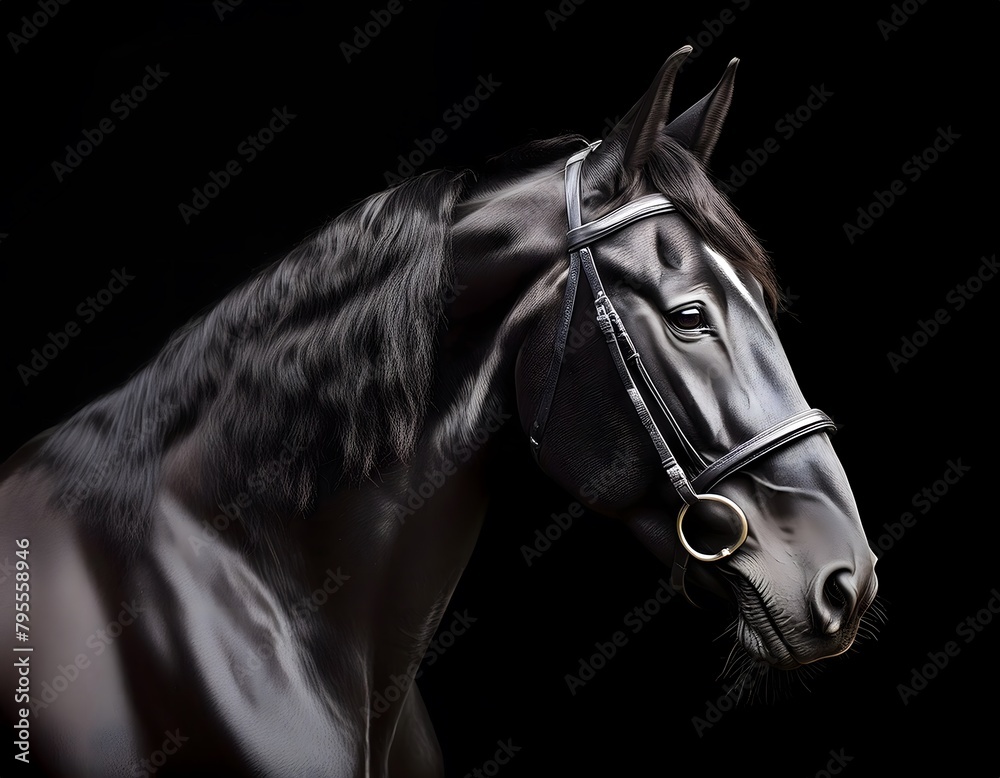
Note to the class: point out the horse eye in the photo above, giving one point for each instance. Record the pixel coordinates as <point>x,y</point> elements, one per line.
<point>688,319</point>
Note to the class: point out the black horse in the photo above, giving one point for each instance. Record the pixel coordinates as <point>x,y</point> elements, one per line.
<point>237,559</point>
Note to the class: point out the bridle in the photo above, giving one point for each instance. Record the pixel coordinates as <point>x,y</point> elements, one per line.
<point>693,491</point>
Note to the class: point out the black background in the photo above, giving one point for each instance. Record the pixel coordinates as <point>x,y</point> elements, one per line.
<point>851,303</point>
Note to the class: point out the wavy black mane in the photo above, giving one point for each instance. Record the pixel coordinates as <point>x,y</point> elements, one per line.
<point>339,335</point>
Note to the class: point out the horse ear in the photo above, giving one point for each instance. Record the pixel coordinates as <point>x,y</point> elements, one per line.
<point>645,120</point>
<point>698,128</point>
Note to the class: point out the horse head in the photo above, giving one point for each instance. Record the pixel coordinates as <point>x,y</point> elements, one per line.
<point>677,411</point>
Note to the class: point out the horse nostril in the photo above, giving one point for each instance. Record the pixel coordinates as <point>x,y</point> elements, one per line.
<point>837,599</point>
<point>834,593</point>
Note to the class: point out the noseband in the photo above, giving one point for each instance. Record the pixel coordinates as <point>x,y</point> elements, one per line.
<point>691,490</point>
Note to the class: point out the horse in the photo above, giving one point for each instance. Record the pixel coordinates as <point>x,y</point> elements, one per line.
<point>237,559</point>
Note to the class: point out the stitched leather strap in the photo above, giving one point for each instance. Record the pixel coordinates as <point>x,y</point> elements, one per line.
<point>616,337</point>
<point>573,173</point>
<point>803,423</point>
<point>559,353</point>
<point>650,205</point>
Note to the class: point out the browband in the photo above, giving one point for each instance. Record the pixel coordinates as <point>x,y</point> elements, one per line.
<point>649,205</point>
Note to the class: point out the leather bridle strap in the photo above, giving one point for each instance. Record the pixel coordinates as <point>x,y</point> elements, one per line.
<point>617,338</point>
<point>572,174</point>
<point>796,426</point>
<point>643,207</point>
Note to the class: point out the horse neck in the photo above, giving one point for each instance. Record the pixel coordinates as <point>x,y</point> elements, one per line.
<point>407,536</point>
<point>506,245</point>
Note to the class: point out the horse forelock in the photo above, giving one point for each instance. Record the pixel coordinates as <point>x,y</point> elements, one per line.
<point>676,173</point>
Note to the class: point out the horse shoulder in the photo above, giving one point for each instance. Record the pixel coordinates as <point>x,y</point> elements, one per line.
<point>235,635</point>
<point>75,670</point>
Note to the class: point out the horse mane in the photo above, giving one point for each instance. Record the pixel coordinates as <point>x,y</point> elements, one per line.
<point>339,336</point>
